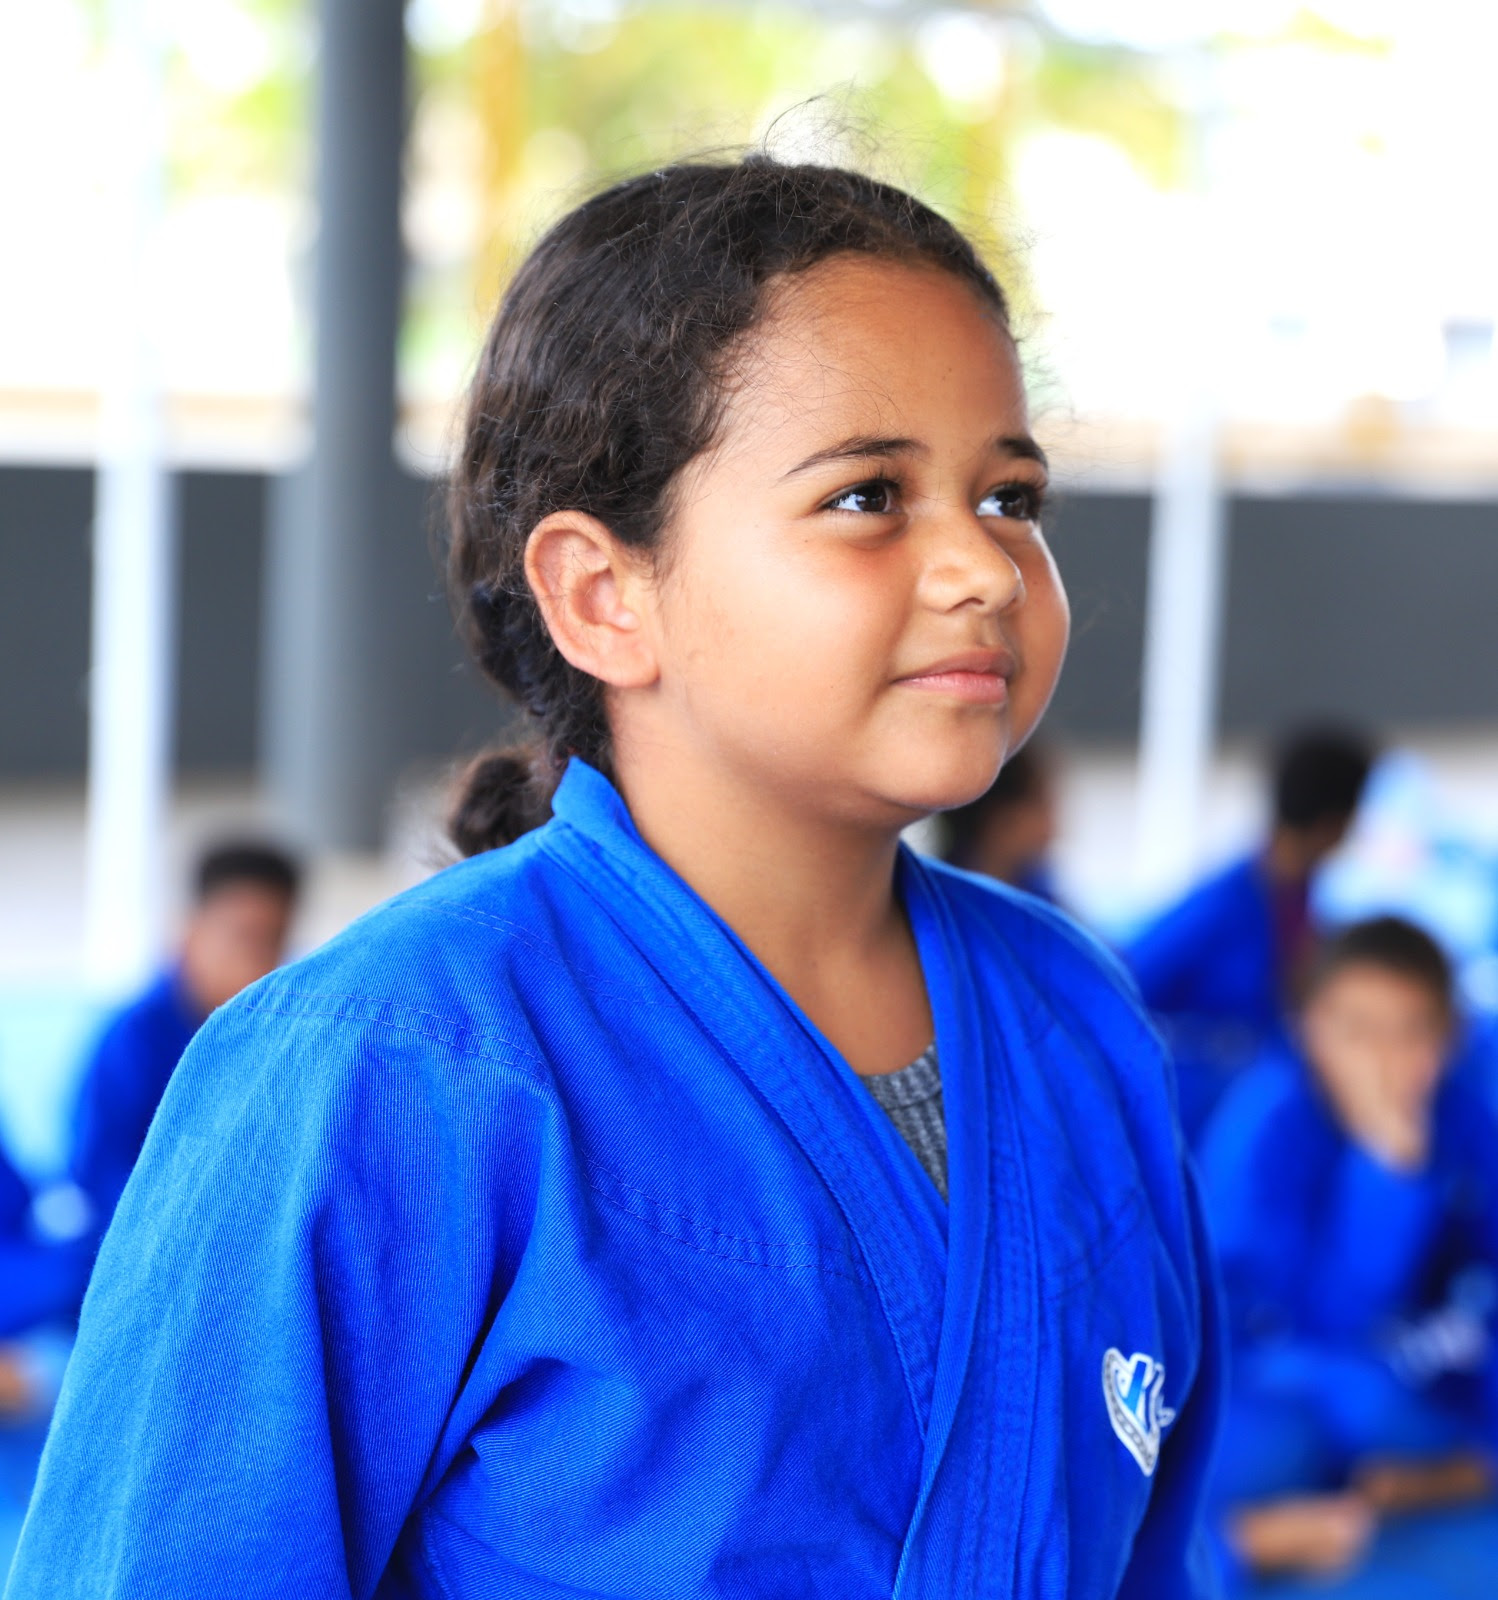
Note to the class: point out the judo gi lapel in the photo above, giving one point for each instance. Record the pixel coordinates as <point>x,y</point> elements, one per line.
<point>990,1259</point>
<point>843,1133</point>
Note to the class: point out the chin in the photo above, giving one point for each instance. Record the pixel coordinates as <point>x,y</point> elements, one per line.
<point>947,779</point>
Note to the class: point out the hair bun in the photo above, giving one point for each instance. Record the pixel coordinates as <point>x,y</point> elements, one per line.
<point>501,795</point>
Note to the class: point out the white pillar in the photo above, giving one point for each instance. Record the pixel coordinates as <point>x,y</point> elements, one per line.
<point>1183,622</point>
<point>1183,617</point>
<point>130,676</point>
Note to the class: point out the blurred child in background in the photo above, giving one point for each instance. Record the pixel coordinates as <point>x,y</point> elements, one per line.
<point>244,899</point>
<point>41,1278</point>
<point>1007,832</point>
<point>1352,1185</point>
<point>1221,968</point>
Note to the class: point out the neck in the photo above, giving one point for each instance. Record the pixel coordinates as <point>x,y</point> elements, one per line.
<point>1288,858</point>
<point>805,881</point>
<point>803,892</point>
<point>1007,866</point>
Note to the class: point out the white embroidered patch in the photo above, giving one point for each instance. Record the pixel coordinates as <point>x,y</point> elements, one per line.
<point>1132,1388</point>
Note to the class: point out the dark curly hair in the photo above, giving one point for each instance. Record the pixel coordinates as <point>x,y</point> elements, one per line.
<point>1393,944</point>
<point>1319,775</point>
<point>603,375</point>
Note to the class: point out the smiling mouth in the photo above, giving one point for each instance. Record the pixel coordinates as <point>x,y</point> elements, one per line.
<point>978,688</point>
<point>980,677</point>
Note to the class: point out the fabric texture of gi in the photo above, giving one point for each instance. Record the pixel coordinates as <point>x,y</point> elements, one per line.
<point>528,1241</point>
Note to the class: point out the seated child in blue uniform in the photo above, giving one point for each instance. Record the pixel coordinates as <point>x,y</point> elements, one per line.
<point>1220,969</point>
<point>41,1277</point>
<point>1008,831</point>
<point>700,1194</point>
<point>244,897</point>
<point>1352,1187</point>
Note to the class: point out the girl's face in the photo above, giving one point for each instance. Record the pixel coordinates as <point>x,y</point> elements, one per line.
<point>856,605</point>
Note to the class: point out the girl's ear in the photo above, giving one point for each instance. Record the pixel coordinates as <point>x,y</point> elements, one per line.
<point>593,592</point>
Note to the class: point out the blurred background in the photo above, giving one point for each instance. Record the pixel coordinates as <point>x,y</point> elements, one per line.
<point>253,245</point>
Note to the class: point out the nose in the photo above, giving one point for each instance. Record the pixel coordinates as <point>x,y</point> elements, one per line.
<point>966,565</point>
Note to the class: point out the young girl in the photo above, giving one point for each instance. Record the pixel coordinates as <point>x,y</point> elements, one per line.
<point>540,1235</point>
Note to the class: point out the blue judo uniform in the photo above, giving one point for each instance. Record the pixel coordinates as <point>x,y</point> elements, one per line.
<point>1214,955</point>
<point>1362,1301</point>
<point>122,1085</point>
<point>1211,971</point>
<point>527,1240</point>
<point>41,1280</point>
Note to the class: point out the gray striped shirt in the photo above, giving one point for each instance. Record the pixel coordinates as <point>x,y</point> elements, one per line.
<point>912,1097</point>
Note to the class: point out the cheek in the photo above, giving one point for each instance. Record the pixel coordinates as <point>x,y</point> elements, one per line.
<point>803,626</point>
<point>1325,1041</point>
<point>1420,1070</point>
<point>1042,629</point>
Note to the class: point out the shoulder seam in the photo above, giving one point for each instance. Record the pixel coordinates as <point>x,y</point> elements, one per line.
<point>357,1008</point>
<point>521,935</point>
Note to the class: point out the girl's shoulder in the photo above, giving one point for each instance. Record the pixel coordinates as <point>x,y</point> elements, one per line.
<point>453,964</point>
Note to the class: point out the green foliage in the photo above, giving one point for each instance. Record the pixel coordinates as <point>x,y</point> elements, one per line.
<point>1114,95</point>
<point>253,132</point>
<point>502,141</point>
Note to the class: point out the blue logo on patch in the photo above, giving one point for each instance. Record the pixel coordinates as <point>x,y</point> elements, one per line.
<point>1133,1392</point>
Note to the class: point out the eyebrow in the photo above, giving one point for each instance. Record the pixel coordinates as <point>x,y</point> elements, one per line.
<point>862,447</point>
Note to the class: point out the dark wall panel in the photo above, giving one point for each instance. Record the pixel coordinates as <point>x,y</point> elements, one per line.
<point>45,571</point>
<point>1377,609</point>
<point>439,703</point>
<point>1101,544</point>
<point>221,516</point>
<point>1381,610</point>
<point>45,515</point>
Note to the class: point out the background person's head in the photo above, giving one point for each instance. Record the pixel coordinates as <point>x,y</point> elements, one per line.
<point>1319,777</point>
<point>236,930</point>
<point>1007,832</point>
<point>754,321</point>
<point>1378,1017</point>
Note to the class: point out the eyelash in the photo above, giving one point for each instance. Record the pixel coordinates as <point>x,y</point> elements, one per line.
<point>1032,495</point>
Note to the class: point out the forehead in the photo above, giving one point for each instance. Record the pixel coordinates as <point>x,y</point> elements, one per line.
<point>1368,984</point>
<point>245,897</point>
<point>862,345</point>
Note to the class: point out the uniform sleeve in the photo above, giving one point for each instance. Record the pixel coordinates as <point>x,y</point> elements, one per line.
<point>40,1280</point>
<point>1168,956</point>
<point>1374,1231</point>
<point>276,1340</point>
<point>15,1199</point>
<point>1322,1241</point>
<point>117,1098</point>
<point>1174,1555</point>
<point>1256,1176</point>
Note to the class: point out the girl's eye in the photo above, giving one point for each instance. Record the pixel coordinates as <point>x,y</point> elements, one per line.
<point>1019,502</point>
<point>874,498</point>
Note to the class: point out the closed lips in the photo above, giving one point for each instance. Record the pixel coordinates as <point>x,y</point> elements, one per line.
<point>981,675</point>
